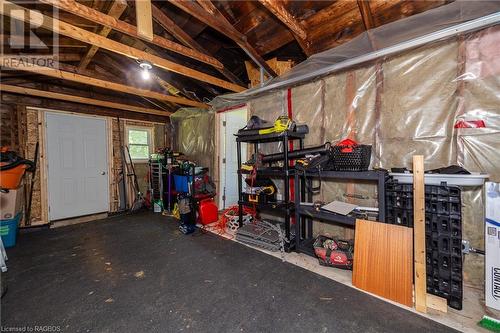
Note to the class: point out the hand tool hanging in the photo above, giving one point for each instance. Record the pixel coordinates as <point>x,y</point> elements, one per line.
<point>32,185</point>
<point>122,187</point>
<point>139,199</point>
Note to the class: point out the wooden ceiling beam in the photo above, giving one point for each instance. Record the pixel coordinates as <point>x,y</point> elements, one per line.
<point>62,28</point>
<point>366,14</point>
<point>144,19</point>
<point>169,25</point>
<point>69,57</point>
<point>297,28</point>
<point>80,99</point>
<point>101,83</point>
<point>7,98</point>
<point>116,10</point>
<point>219,22</point>
<point>278,9</point>
<point>83,11</point>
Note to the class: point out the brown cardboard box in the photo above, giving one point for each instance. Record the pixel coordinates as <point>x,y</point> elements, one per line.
<point>11,203</point>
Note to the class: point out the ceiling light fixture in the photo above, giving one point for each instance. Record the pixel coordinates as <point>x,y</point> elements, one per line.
<point>146,67</point>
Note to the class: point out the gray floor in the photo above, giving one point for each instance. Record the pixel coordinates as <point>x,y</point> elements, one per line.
<point>139,274</point>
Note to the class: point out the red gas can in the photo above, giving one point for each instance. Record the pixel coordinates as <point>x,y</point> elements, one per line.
<point>208,211</point>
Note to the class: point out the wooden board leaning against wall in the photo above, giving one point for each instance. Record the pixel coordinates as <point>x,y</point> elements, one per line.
<point>23,132</point>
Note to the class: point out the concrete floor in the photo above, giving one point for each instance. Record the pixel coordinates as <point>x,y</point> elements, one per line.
<point>139,274</point>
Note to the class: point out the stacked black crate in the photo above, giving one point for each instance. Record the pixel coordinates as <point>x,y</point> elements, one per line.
<point>443,219</point>
<point>443,229</point>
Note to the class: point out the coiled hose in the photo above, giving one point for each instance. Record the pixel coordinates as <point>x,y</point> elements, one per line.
<point>12,160</point>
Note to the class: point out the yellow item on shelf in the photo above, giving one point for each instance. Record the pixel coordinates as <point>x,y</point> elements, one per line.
<point>280,125</point>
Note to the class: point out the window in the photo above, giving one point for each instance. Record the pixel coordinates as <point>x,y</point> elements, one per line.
<point>139,143</point>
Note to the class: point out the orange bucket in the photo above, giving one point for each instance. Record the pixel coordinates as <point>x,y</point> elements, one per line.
<point>10,179</point>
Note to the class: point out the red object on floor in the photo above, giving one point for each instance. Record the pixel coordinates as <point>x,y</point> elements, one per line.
<point>208,211</point>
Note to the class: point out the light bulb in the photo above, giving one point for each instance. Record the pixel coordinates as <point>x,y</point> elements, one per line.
<point>146,67</point>
<point>145,74</point>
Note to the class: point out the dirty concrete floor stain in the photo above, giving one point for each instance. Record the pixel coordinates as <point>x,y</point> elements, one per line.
<point>163,281</point>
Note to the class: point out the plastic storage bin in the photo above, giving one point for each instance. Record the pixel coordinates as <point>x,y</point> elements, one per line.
<point>182,183</point>
<point>8,230</point>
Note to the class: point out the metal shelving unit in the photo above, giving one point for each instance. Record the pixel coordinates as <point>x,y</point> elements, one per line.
<point>304,214</point>
<point>157,174</point>
<point>286,206</point>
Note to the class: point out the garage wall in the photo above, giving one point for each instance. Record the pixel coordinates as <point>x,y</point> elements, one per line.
<point>426,101</point>
<point>194,135</point>
<point>26,132</point>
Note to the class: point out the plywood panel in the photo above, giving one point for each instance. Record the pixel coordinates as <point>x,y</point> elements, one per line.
<point>383,260</point>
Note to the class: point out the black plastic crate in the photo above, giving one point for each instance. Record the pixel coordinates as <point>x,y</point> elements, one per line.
<point>351,158</point>
<point>443,234</point>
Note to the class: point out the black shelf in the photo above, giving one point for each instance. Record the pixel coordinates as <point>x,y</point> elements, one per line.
<point>286,206</point>
<point>271,172</point>
<point>326,216</point>
<point>280,205</point>
<point>272,137</point>
<point>304,214</point>
<point>349,175</point>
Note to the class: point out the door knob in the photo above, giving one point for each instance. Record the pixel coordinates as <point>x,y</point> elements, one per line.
<point>103,173</point>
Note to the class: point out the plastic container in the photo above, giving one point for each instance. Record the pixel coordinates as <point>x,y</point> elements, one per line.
<point>181,183</point>
<point>11,179</point>
<point>348,155</point>
<point>208,211</point>
<point>437,179</point>
<point>8,230</point>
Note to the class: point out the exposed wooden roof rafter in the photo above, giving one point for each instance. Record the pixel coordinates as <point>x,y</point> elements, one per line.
<point>118,87</point>
<point>219,22</point>
<point>88,13</point>
<point>169,25</point>
<point>278,9</point>
<point>366,14</point>
<point>80,99</point>
<point>66,29</point>
<point>116,10</point>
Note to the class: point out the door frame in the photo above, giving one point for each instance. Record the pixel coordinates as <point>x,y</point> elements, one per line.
<point>43,162</point>
<point>220,145</point>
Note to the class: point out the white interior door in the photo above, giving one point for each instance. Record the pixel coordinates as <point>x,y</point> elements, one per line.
<point>232,121</point>
<point>77,163</point>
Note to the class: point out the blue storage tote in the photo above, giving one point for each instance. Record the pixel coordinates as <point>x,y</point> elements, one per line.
<point>182,183</point>
<point>8,230</point>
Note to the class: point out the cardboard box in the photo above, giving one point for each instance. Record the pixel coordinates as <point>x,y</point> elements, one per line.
<point>11,203</point>
<point>492,245</point>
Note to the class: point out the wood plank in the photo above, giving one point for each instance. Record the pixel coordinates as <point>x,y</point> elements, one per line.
<point>419,233</point>
<point>20,13</point>
<point>437,303</point>
<point>219,22</point>
<point>116,10</point>
<point>128,29</point>
<point>44,197</point>
<point>80,99</point>
<point>105,84</point>
<point>169,25</point>
<point>279,10</point>
<point>383,260</point>
<point>280,67</point>
<point>144,19</point>
<point>366,14</point>
<point>76,108</point>
<point>69,57</point>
